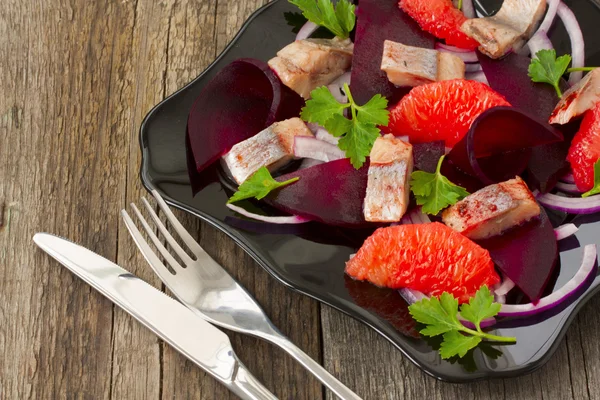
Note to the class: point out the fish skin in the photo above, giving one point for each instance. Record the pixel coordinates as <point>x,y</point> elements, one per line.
<point>391,164</point>
<point>272,147</point>
<point>304,65</point>
<point>578,99</point>
<point>492,210</point>
<point>414,66</point>
<point>509,29</point>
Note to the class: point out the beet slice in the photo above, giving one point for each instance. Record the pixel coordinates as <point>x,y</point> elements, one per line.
<point>526,254</point>
<point>546,165</point>
<point>427,155</point>
<point>331,192</point>
<point>241,100</point>
<point>509,77</point>
<point>458,177</point>
<point>380,20</point>
<point>498,145</point>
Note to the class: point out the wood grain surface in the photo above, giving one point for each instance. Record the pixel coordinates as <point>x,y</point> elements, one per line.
<point>76,79</point>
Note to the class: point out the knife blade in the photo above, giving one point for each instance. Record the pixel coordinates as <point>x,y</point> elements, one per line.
<point>196,339</point>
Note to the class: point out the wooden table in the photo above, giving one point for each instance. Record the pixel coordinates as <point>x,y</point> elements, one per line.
<point>77,77</point>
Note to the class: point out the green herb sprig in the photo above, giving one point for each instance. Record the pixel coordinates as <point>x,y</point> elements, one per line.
<point>434,191</point>
<point>357,135</point>
<point>258,185</point>
<point>441,318</point>
<point>546,68</point>
<point>340,20</point>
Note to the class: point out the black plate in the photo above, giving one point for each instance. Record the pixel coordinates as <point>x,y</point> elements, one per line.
<point>310,258</point>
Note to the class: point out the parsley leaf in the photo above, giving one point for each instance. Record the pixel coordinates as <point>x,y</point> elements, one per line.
<point>457,344</point>
<point>434,191</point>
<point>358,142</point>
<point>357,135</point>
<point>322,106</point>
<point>441,318</point>
<point>258,185</point>
<point>375,111</point>
<point>338,125</point>
<point>546,68</point>
<point>480,307</point>
<point>340,20</point>
<point>596,188</point>
<point>438,314</point>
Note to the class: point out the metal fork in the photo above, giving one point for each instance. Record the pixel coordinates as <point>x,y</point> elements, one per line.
<point>211,293</point>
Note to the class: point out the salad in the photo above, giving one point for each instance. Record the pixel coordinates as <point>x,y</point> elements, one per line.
<point>451,137</point>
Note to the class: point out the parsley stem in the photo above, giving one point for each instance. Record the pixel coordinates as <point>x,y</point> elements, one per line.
<point>289,181</point>
<point>558,92</point>
<point>439,164</point>
<point>351,100</point>
<point>459,5</point>
<point>584,69</point>
<point>488,336</point>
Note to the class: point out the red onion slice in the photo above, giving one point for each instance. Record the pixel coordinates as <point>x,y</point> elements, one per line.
<point>583,275</point>
<point>577,42</point>
<point>569,178</point>
<point>309,162</point>
<point>310,147</point>
<point>468,9</point>
<point>337,87</point>
<point>473,67</point>
<point>571,205</point>
<point>539,41</point>
<point>564,231</point>
<point>307,29</point>
<point>500,298</point>
<point>412,296</point>
<point>292,219</point>
<point>468,56</point>
<point>416,216</point>
<point>550,15</point>
<point>505,287</point>
<point>567,188</point>
<point>406,220</point>
<point>324,135</point>
<point>478,76</point>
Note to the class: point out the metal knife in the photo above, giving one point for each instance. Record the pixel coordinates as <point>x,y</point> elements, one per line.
<point>196,339</point>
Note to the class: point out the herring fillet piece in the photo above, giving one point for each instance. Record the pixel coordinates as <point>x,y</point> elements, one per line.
<point>387,196</point>
<point>509,29</point>
<point>492,210</point>
<point>304,65</point>
<point>272,147</point>
<point>414,66</point>
<point>578,99</point>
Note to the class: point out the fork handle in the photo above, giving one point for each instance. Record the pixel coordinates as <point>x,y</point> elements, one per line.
<point>337,387</point>
<point>247,387</point>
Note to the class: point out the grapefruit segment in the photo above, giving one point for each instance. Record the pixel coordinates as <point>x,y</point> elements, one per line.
<point>441,19</point>
<point>431,258</point>
<point>442,110</point>
<point>585,149</point>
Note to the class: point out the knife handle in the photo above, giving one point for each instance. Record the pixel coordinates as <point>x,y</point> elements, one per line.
<point>247,387</point>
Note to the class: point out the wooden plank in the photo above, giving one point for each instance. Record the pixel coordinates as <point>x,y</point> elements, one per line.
<point>136,352</point>
<point>62,171</point>
<point>216,24</point>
